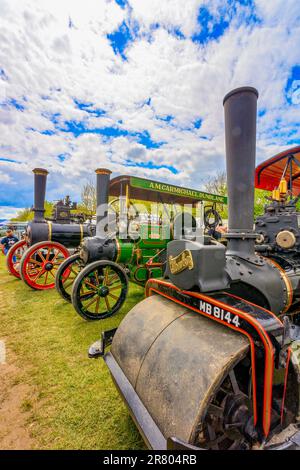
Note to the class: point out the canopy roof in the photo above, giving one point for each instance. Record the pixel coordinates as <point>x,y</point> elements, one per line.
<point>285,164</point>
<point>148,190</point>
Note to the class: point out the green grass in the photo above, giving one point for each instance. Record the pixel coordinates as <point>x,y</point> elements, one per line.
<point>75,404</point>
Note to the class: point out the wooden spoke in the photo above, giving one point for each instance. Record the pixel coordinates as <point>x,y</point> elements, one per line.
<point>105,281</point>
<point>48,254</point>
<point>46,278</point>
<point>97,277</point>
<point>113,296</point>
<point>55,256</point>
<point>32,271</point>
<point>69,283</point>
<point>84,294</point>
<point>51,273</point>
<point>114,277</point>
<point>39,275</point>
<point>74,272</point>
<point>33,261</point>
<point>88,283</point>
<point>115,287</point>
<point>107,303</point>
<point>41,255</point>
<point>97,305</point>
<point>90,303</point>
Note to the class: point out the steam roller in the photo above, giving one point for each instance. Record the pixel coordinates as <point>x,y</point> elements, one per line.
<point>210,359</point>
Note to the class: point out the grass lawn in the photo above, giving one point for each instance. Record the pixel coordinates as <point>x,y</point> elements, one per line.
<point>74,404</point>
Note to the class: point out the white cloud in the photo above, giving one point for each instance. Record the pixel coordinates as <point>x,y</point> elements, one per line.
<point>8,212</point>
<point>4,178</point>
<point>48,64</point>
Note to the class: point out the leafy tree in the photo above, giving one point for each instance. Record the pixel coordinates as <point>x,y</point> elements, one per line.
<point>25,215</point>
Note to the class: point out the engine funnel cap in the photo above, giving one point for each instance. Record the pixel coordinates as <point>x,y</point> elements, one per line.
<point>240,90</point>
<point>102,171</point>
<point>40,171</point>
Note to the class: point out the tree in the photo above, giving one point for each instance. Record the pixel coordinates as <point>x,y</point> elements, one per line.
<point>24,215</point>
<point>88,204</point>
<point>218,185</point>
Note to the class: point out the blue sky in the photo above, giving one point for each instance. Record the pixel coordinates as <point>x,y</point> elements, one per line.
<point>137,86</point>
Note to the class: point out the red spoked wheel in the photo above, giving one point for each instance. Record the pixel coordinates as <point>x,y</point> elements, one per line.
<point>40,262</point>
<point>14,256</point>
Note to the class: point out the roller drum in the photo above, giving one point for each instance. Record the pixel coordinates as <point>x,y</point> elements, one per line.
<point>175,360</point>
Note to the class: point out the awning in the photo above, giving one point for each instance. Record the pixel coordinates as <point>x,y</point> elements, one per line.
<point>287,164</point>
<point>149,190</point>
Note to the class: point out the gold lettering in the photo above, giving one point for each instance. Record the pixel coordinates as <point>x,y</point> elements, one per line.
<point>181,262</point>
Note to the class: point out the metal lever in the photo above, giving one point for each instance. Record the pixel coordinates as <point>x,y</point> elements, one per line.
<point>97,349</point>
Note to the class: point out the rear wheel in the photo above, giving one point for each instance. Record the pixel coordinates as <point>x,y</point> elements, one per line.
<point>40,262</point>
<point>66,275</point>
<point>14,256</point>
<point>99,290</point>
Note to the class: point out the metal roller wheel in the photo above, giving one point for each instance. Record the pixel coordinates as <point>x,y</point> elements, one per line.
<point>66,275</point>
<point>99,290</point>
<point>40,262</point>
<point>14,256</point>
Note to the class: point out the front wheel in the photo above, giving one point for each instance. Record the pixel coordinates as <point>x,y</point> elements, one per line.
<point>14,256</point>
<point>40,262</point>
<point>99,290</point>
<point>66,275</point>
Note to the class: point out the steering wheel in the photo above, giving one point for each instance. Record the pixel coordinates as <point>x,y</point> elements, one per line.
<point>212,218</point>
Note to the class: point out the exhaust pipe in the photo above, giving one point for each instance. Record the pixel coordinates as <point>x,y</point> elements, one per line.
<point>40,180</point>
<point>102,190</point>
<point>240,108</point>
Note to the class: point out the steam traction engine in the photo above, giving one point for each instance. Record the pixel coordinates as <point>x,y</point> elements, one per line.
<point>278,228</point>
<point>96,279</point>
<point>46,243</point>
<point>209,359</point>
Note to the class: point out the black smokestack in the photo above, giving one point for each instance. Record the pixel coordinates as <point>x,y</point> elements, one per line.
<point>240,107</point>
<point>40,180</point>
<point>102,189</point>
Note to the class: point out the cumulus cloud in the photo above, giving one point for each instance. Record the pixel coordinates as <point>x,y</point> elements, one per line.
<point>137,86</point>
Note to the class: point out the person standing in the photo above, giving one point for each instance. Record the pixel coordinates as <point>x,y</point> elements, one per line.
<point>8,241</point>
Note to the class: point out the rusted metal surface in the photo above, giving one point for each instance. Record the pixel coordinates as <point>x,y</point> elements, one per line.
<point>175,360</point>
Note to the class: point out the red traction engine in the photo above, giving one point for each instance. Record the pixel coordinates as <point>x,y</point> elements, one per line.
<point>47,242</point>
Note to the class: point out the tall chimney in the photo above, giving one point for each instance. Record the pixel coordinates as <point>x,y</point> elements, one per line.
<point>102,189</point>
<point>240,106</point>
<point>40,180</point>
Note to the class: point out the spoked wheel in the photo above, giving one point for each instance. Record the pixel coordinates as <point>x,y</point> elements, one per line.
<point>40,262</point>
<point>99,290</point>
<point>66,275</point>
<point>14,256</point>
<point>229,414</point>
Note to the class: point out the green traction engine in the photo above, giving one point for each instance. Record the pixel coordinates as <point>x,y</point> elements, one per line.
<point>130,242</point>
